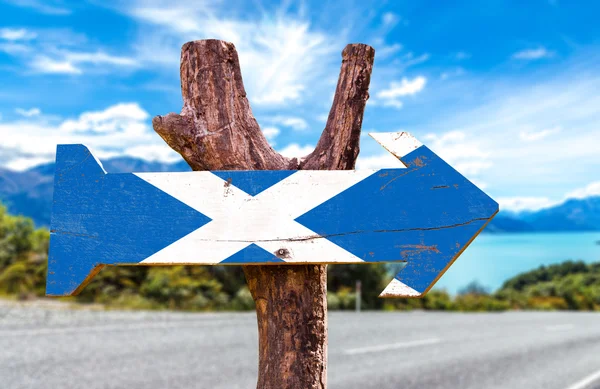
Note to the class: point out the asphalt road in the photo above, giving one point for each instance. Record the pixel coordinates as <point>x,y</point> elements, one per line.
<point>43,347</point>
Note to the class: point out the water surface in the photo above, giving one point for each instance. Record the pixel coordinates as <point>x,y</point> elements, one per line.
<point>493,258</point>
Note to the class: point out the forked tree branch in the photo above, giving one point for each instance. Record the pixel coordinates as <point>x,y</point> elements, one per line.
<point>217,131</point>
<point>338,146</point>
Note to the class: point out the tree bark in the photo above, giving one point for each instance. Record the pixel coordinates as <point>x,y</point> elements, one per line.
<point>217,131</point>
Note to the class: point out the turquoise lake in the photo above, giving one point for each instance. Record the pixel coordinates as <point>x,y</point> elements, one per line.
<point>493,258</point>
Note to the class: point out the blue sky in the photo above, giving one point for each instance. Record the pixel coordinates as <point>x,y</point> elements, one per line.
<point>508,92</point>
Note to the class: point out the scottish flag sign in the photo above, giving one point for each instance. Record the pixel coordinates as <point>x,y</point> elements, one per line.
<point>425,215</point>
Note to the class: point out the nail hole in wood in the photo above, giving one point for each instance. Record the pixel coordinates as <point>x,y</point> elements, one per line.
<point>282,253</point>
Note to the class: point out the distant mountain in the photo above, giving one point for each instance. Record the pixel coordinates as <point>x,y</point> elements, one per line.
<point>29,193</point>
<point>572,215</point>
<point>128,164</point>
<point>508,223</point>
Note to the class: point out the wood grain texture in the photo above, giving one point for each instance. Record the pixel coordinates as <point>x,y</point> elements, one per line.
<point>257,228</point>
<point>295,335</point>
<point>424,214</point>
<point>338,146</point>
<point>217,131</point>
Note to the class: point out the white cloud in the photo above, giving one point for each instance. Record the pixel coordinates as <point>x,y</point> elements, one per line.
<point>55,51</point>
<point>395,103</point>
<point>480,184</point>
<point>462,55</point>
<point>382,161</point>
<point>385,51</point>
<point>70,62</point>
<point>117,130</point>
<point>99,58</point>
<point>28,112</point>
<point>280,54</point>
<point>56,38</point>
<point>404,88</point>
<point>294,150</point>
<point>108,121</point>
<point>531,136</point>
<point>514,119</point>
<point>532,54</point>
<point>592,189</point>
<point>49,7</point>
<point>452,73</point>
<point>24,163</point>
<point>519,204</point>
<point>162,14</point>
<point>464,154</point>
<point>44,64</point>
<point>14,48</point>
<point>271,133</point>
<point>408,60</point>
<point>16,34</point>
<point>323,117</point>
<point>153,152</point>
<point>390,18</point>
<point>390,97</point>
<point>295,123</point>
<point>469,168</point>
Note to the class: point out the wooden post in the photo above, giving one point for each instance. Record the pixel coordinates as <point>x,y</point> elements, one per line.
<point>217,131</point>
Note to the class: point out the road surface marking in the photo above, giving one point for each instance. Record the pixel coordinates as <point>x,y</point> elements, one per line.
<point>391,346</point>
<point>560,327</point>
<point>584,383</point>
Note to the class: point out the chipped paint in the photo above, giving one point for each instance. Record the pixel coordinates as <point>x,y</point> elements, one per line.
<point>264,217</point>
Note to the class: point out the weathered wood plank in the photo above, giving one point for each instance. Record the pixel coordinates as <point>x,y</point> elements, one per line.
<point>424,214</point>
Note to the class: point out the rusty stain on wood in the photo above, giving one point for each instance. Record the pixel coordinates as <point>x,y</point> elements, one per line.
<point>305,212</point>
<point>408,171</point>
<point>416,250</point>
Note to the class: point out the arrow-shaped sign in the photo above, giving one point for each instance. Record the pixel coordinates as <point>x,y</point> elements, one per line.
<point>424,215</point>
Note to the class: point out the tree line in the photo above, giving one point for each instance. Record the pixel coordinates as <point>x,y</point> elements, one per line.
<point>572,285</point>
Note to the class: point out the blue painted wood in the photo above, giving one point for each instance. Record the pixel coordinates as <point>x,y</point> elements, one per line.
<point>106,219</point>
<point>424,215</point>
<point>252,254</point>
<point>253,182</point>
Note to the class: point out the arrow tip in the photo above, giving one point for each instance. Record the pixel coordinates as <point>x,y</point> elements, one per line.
<point>397,143</point>
<point>398,288</point>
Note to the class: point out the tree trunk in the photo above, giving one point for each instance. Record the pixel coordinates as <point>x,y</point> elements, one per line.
<point>217,131</point>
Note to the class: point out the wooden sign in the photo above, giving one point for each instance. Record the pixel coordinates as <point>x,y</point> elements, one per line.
<point>425,215</point>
